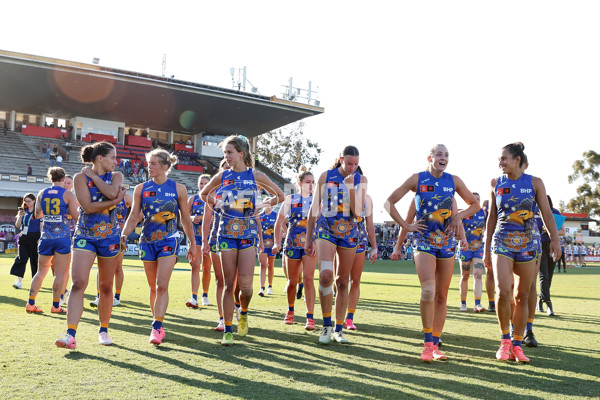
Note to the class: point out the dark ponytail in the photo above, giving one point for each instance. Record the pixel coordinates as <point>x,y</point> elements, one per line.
<point>91,151</point>
<point>348,151</point>
<point>516,150</point>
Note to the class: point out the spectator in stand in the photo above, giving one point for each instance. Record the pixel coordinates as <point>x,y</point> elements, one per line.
<point>59,160</point>
<point>29,170</point>
<point>5,127</point>
<point>48,150</point>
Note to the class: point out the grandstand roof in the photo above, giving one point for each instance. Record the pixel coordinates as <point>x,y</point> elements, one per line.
<point>65,89</point>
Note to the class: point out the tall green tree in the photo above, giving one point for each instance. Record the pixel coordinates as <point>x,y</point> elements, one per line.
<point>285,150</point>
<point>587,173</point>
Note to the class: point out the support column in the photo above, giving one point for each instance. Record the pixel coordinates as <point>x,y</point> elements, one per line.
<point>13,117</point>
<point>42,120</point>
<point>171,136</point>
<point>198,143</point>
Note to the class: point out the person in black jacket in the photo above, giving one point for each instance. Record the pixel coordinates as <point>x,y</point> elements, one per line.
<point>28,240</point>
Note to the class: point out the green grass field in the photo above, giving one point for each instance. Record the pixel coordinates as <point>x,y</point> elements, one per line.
<point>281,361</point>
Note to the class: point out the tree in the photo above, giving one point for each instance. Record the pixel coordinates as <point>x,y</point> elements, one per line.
<point>285,150</point>
<point>588,194</point>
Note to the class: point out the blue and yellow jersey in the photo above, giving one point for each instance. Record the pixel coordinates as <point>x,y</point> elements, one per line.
<point>100,225</point>
<point>160,208</point>
<point>56,211</point>
<point>197,210</point>
<point>297,221</point>
<point>515,208</point>
<point>216,211</point>
<point>433,200</point>
<point>474,226</point>
<point>361,225</point>
<point>335,212</point>
<point>122,211</point>
<point>267,223</point>
<point>238,199</point>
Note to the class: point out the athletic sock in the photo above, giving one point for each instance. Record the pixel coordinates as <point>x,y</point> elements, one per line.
<point>244,311</point>
<point>62,296</point>
<point>195,296</point>
<point>492,303</point>
<point>72,330</point>
<point>505,335</point>
<point>220,317</point>
<point>310,315</point>
<point>517,341</point>
<point>327,319</point>
<point>339,325</point>
<point>262,288</point>
<point>228,327</point>
<point>436,337</point>
<point>291,307</point>
<point>529,324</point>
<point>31,300</point>
<point>118,295</point>
<point>428,335</point>
<point>158,323</point>
<point>103,327</point>
<point>205,294</point>
<point>350,313</point>
<point>463,302</point>
<point>477,301</point>
<point>55,303</point>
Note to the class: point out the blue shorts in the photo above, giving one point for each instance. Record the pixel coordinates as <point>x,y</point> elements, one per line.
<point>468,255</point>
<point>445,249</point>
<point>349,242</point>
<point>516,256</point>
<point>105,248</point>
<point>268,251</point>
<point>361,248</point>
<point>295,254</point>
<point>47,247</point>
<point>236,244</point>
<point>162,248</point>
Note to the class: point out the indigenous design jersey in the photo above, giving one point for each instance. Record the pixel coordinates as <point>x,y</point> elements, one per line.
<point>363,239</point>
<point>56,210</point>
<point>160,208</point>
<point>238,198</point>
<point>474,226</point>
<point>297,220</point>
<point>267,223</point>
<point>335,213</point>
<point>433,201</point>
<point>100,225</point>
<point>122,210</point>
<point>197,210</point>
<point>515,206</point>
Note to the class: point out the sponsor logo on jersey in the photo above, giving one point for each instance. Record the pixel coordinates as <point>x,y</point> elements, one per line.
<point>246,241</point>
<point>297,205</point>
<point>197,203</point>
<point>228,182</point>
<point>113,247</point>
<point>53,218</point>
<point>149,194</point>
<point>502,191</point>
<point>333,184</point>
<point>167,248</point>
<point>526,190</point>
<point>170,194</point>
<point>53,191</point>
<point>426,188</point>
<point>91,184</point>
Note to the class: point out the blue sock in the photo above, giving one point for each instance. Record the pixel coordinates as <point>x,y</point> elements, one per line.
<point>270,287</point>
<point>327,321</point>
<point>529,326</point>
<point>492,303</point>
<point>242,312</point>
<point>228,328</point>
<point>463,302</point>
<point>205,295</point>
<point>262,288</point>
<point>517,343</point>
<point>309,316</point>
<point>477,302</point>
<point>157,324</point>
<point>436,340</point>
<point>55,304</point>
<point>428,336</point>
<point>71,332</point>
<point>195,296</point>
<point>31,302</point>
<point>301,285</point>
<point>291,308</point>
<point>506,336</point>
<point>338,327</point>
<point>62,296</point>
<point>118,296</point>
<point>103,330</point>
<point>350,316</point>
